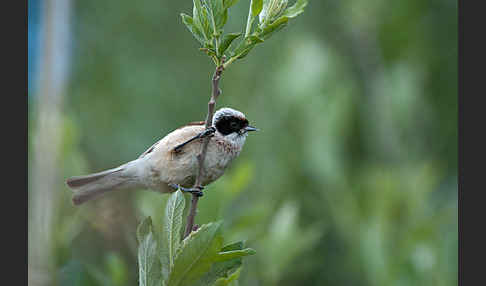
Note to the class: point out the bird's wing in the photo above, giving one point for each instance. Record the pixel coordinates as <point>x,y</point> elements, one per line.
<point>149,149</point>
<point>153,146</point>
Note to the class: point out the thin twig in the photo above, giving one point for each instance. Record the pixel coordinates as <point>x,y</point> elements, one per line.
<point>202,156</point>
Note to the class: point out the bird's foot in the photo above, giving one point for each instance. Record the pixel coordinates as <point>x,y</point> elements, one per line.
<point>208,132</point>
<point>197,190</point>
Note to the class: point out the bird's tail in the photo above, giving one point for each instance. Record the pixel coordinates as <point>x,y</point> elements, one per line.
<point>90,186</point>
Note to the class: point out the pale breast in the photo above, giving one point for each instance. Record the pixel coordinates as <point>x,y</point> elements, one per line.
<point>167,166</point>
<point>221,153</point>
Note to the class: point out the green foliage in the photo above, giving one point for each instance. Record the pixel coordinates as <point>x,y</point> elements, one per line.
<point>255,8</point>
<point>210,16</point>
<point>172,230</point>
<point>226,42</point>
<point>148,261</point>
<point>198,251</point>
<point>174,210</point>
<point>229,262</point>
<point>231,280</point>
<point>199,259</point>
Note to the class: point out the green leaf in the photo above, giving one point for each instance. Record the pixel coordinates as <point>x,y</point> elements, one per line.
<point>189,22</point>
<point>196,255</point>
<point>274,27</point>
<point>222,21</point>
<point>217,6</point>
<point>219,270</point>
<point>219,13</point>
<point>226,42</point>
<point>256,7</point>
<point>200,19</point>
<point>234,250</point>
<point>224,269</point>
<point>233,246</point>
<point>271,10</point>
<point>206,24</point>
<point>246,46</point>
<point>148,262</point>
<point>229,3</point>
<point>174,210</point>
<point>144,228</point>
<point>295,9</point>
<point>229,281</point>
<point>196,10</point>
<point>228,255</point>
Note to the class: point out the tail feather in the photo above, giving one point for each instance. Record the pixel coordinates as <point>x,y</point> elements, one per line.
<point>79,181</point>
<point>90,186</point>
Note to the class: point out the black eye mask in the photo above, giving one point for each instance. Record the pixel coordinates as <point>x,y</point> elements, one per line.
<point>229,124</point>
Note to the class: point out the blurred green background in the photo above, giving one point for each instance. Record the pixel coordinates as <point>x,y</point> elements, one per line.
<point>351,181</point>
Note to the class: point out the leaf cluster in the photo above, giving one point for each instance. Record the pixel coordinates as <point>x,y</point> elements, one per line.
<point>200,259</point>
<point>210,16</point>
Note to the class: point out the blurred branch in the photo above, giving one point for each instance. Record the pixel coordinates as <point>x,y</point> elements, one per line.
<point>202,156</point>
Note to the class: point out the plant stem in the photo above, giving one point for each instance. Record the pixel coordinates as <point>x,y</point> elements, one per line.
<point>202,156</point>
<point>232,59</point>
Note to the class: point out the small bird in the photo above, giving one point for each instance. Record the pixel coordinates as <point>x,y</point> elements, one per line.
<point>172,162</point>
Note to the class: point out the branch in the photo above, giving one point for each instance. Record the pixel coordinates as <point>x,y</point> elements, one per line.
<point>202,156</point>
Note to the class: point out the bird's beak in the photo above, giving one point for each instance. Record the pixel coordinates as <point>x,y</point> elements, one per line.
<point>251,128</point>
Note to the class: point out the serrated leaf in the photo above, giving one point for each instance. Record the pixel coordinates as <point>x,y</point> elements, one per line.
<point>274,27</point>
<point>227,40</point>
<point>295,9</point>
<point>172,226</point>
<point>229,3</point>
<point>232,254</point>
<point>148,261</point>
<point>256,7</point>
<point>189,22</point>
<point>196,255</point>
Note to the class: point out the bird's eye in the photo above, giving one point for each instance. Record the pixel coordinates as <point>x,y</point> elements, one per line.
<point>234,125</point>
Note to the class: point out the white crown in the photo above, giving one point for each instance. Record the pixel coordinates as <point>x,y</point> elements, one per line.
<point>226,111</point>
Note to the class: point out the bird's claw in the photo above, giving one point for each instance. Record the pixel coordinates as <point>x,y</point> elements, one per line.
<point>208,132</point>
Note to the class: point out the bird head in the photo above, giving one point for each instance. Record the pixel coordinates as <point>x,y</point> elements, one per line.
<point>232,124</point>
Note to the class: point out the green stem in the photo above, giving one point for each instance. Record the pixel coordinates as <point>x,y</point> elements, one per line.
<point>227,63</point>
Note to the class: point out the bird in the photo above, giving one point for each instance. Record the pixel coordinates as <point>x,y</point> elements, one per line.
<point>172,162</point>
